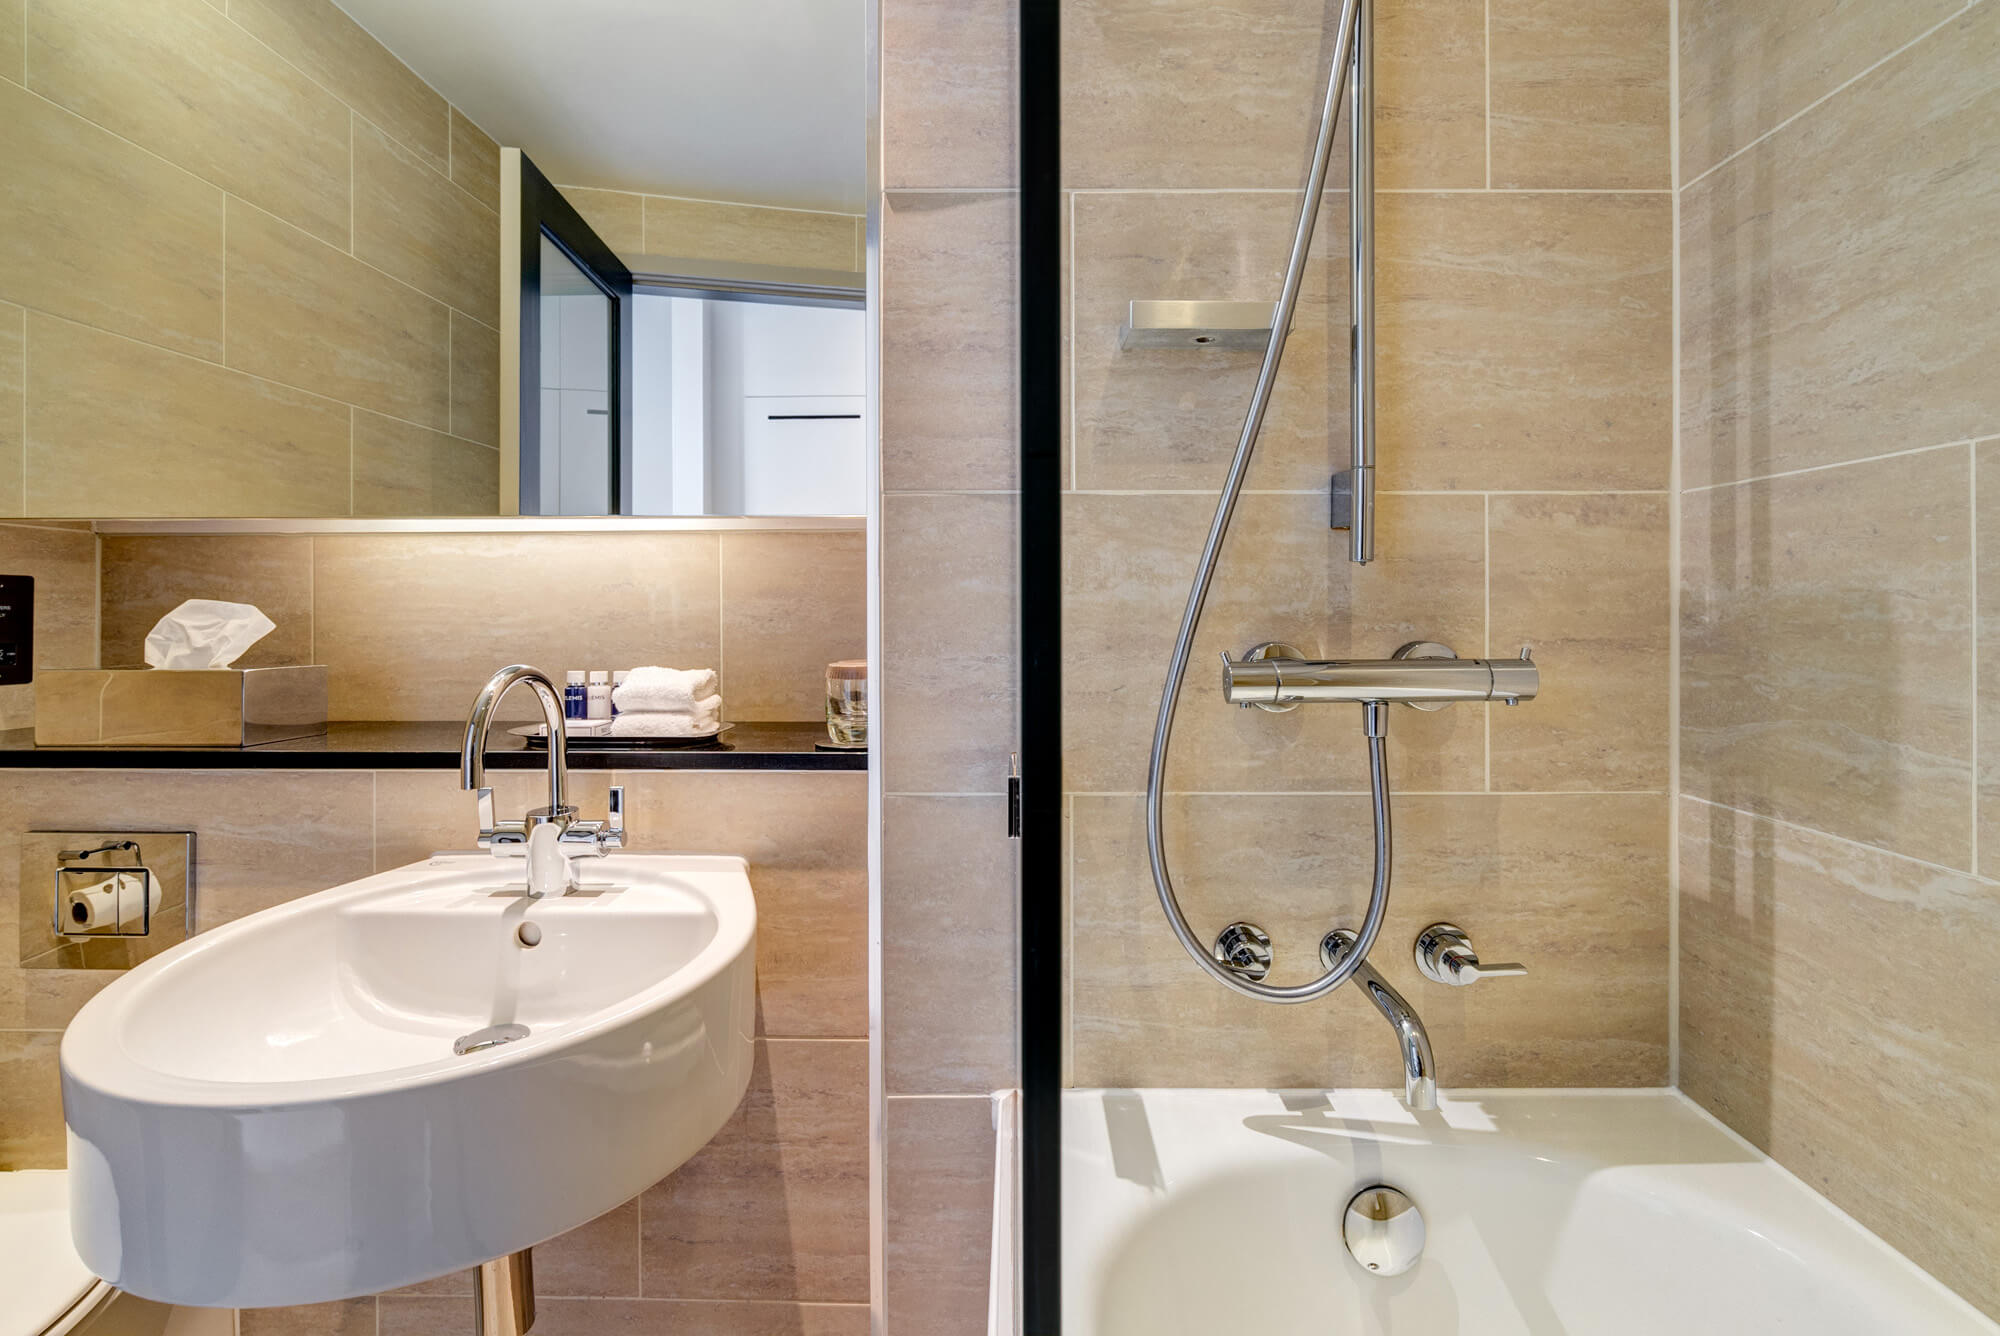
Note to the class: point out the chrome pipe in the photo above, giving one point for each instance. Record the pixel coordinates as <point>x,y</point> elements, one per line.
<point>1303,681</point>
<point>472,751</point>
<point>1361,292</point>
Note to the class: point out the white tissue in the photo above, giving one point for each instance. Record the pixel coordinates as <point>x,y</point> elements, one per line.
<point>204,633</point>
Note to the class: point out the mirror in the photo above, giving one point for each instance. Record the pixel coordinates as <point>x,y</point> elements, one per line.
<point>320,259</point>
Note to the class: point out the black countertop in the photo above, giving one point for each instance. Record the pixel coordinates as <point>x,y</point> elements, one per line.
<point>434,746</point>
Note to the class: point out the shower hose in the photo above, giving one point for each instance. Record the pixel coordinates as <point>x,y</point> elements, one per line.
<point>1373,713</point>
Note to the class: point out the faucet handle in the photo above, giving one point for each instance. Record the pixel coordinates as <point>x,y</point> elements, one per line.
<point>1444,955</point>
<point>503,837</point>
<point>602,836</point>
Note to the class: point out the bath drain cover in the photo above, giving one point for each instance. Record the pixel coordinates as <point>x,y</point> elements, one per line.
<point>1384,1230</point>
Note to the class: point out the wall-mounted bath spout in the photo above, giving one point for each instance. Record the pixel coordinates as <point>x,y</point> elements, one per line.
<point>1419,1071</point>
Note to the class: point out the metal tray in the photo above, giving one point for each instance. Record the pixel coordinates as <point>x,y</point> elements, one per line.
<point>538,738</point>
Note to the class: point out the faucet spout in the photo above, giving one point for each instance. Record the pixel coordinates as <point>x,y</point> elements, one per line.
<point>472,755</point>
<point>1412,1041</point>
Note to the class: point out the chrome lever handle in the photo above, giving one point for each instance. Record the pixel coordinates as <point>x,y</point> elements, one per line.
<point>1444,955</point>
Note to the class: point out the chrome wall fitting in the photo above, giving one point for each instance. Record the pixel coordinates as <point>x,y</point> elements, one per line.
<point>504,1303</point>
<point>1244,949</point>
<point>1270,649</point>
<point>1384,1230</point>
<point>1412,1040</point>
<point>1426,649</point>
<point>1422,677</point>
<point>99,899</point>
<point>1445,955</point>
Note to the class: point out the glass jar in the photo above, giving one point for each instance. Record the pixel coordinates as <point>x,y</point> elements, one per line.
<point>847,702</point>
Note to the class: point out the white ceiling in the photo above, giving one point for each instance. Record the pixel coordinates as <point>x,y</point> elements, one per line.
<point>757,101</point>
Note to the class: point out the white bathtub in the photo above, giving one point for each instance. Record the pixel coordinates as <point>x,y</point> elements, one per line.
<point>1555,1213</point>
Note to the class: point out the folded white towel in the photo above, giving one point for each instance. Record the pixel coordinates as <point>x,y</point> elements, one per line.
<point>662,689</point>
<point>705,718</point>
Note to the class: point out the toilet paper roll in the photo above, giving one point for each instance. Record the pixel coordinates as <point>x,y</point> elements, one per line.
<point>114,904</point>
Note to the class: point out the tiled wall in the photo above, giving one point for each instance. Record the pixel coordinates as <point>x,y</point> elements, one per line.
<point>1840,711</point>
<point>249,267</point>
<point>765,1230</point>
<point>1524,265</point>
<point>635,224</point>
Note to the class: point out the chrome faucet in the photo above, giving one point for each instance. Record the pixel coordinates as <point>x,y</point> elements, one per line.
<point>1419,1071</point>
<point>550,837</point>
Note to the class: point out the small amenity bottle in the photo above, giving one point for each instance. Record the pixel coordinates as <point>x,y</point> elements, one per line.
<point>575,701</point>
<point>598,695</point>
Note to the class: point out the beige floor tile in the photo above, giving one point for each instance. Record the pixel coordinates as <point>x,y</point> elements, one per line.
<point>950,958</point>
<point>179,79</point>
<point>1987,658</point>
<point>705,230</point>
<point>949,81</point>
<point>776,1206</point>
<point>597,1260</point>
<point>343,1317</point>
<point>950,394</point>
<point>617,216</point>
<point>1580,94</point>
<point>412,222</point>
<point>1430,95</point>
<point>1866,1088</point>
<point>403,469</point>
<point>939,1164</point>
<point>1827,656</point>
<point>63,565</point>
<point>31,1121</point>
<point>1575,886</point>
<point>144,578</point>
<point>1584,581</point>
<point>1840,278</point>
<point>475,160</point>
<point>1526,341</point>
<point>791,604</point>
<point>639,1317</point>
<point>13,404</point>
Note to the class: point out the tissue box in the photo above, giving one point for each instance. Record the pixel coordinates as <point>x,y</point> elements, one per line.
<point>156,707</point>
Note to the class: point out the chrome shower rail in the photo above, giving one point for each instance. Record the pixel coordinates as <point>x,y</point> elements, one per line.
<point>1349,44</point>
<point>1360,476</point>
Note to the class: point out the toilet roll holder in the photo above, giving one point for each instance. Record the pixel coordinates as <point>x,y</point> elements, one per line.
<point>114,897</point>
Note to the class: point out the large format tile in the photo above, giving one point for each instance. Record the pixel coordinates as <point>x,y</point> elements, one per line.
<point>938,1161</point>
<point>805,837</point>
<point>407,624</point>
<point>475,380</point>
<point>1840,278</point>
<point>412,222</point>
<point>948,689</point>
<point>305,314</point>
<point>31,1121</point>
<point>950,392</point>
<point>13,22</point>
<point>179,79</point>
<point>1747,66</point>
<point>1283,576</point>
<point>1584,581</point>
<point>142,579</point>
<point>1827,656</point>
<point>950,952</point>
<point>63,565</point>
<point>1574,885</point>
<point>1430,94</point>
<point>1862,1089</point>
<point>42,998</point>
<point>1986,658</point>
<point>599,1259</point>
<point>949,84</point>
<point>1526,341</point>
<point>791,604</point>
<point>342,1317</point>
<point>403,469</point>
<point>617,216</point>
<point>1580,94</point>
<point>475,160</point>
<point>776,1206</point>
<point>639,1317</point>
<point>1169,417</point>
<point>98,230</point>
<point>323,41</point>
<point>13,403</point>
<point>707,230</point>
<point>118,428</point>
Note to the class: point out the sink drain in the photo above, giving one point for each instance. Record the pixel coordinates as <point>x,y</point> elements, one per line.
<point>1384,1230</point>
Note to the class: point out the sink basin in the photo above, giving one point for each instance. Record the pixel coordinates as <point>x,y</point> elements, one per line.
<point>273,1112</point>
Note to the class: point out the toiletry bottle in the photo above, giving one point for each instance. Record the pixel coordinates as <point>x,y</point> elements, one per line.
<point>618,677</point>
<point>598,695</point>
<point>574,700</point>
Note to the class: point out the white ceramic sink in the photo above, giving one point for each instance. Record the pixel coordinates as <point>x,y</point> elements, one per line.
<point>273,1113</point>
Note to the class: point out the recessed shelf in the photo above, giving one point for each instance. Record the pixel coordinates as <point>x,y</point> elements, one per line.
<point>1196,324</point>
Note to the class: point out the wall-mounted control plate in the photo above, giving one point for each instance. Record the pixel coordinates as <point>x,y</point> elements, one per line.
<point>17,629</point>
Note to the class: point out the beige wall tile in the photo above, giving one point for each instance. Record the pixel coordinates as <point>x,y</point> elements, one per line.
<point>1169,417</point>
<point>596,1260</point>
<point>338,52</point>
<point>13,25</point>
<point>413,223</point>
<point>106,233</point>
<point>1865,1088</point>
<point>1283,576</point>
<point>640,1317</point>
<point>791,604</point>
<point>805,837</point>
<point>475,380</point>
<point>950,391</point>
<point>1549,318</point>
<point>623,599</point>
<point>949,950</point>
<point>31,1121</point>
<point>63,563</point>
<point>776,1206</point>
<point>617,216</point>
<point>1430,94</point>
<point>947,686</point>
<point>403,469</point>
<point>475,160</point>
<point>949,80</point>
<point>419,813</point>
<point>142,579</point>
<point>1826,669</point>
<point>939,1165</point>
<point>305,314</point>
<point>705,230</point>
<point>1749,65</point>
<point>192,438</point>
<point>1580,94</point>
<point>1584,581</point>
<point>13,404</point>
<point>43,999</point>
<point>1841,276</point>
<point>1573,885</point>
<point>343,1317</point>
<point>178,78</point>
<point>1986,658</point>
